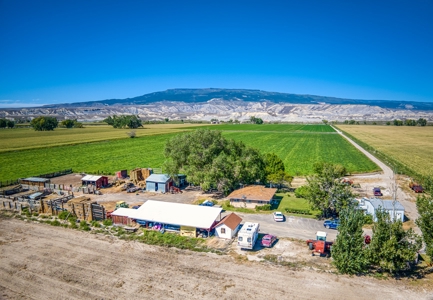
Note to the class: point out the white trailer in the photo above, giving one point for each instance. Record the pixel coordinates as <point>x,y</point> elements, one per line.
<point>248,235</point>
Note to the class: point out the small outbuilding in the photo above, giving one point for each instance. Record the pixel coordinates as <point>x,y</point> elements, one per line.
<point>97,181</point>
<point>395,209</point>
<point>158,183</point>
<point>37,181</point>
<point>251,196</point>
<point>228,226</point>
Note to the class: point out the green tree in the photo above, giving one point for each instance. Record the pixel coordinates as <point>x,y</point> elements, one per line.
<point>3,123</point>
<point>125,121</point>
<point>68,123</point>
<point>351,122</point>
<point>43,123</point>
<point>325,189</point>
<point>255,120</point>
<point>424,204</point>
<point>398,122</point>
<point>325,122</point>
<point>410,122</point>
<point>211,161</point>
<point>421,122</point>
<point>388,123</point>
<point>275,170</point>
<point>348,250</point>
<point>392,247</point>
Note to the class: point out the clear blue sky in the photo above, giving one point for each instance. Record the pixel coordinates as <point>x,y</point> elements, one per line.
<point>80,50</point>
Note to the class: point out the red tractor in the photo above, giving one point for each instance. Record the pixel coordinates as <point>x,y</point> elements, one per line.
<point>320,245</point>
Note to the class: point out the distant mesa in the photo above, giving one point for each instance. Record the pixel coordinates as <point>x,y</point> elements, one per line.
<point>232,104</point>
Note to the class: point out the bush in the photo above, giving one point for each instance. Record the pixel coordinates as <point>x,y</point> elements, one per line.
<point>265,207</point>
<point>301,192</point>
<point>298,211</point>
<point>95,224</point>
<point>63,215</point>
<point>55,223</point>
<point>368,219</point>
<point>107,222</point>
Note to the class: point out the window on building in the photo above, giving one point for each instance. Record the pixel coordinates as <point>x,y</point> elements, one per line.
<point>240,239</point>
<point>223,230</point>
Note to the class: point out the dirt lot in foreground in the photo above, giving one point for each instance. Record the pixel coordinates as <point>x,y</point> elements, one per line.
<point>38,261</point>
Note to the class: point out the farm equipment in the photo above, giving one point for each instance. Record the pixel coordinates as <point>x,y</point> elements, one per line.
<point>417,188</point>
<point>120,204</point>
<point>347,181</point>
<point>175,190</point>
<point>320,245</point>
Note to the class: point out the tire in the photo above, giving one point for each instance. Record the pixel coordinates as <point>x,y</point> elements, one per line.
<point>310,246</point>
<point>327,227</point>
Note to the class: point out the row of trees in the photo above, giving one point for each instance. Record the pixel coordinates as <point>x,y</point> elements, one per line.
<point>125,121</point>
<point>44,123</point>
<point>5,123</point>
<point>410,122</point>
<point>214,162</point>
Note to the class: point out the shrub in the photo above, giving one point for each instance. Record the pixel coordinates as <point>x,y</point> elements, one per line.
<point>95,224</point>
<point>301,192</point>
<point>63,215</point>
<point>368,219</point>
<point>298,211</point>
<point>55,223</point>
<point>107,222</point>
<point>265,207</point>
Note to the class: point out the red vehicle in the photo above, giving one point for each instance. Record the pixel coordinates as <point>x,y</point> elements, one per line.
<point>418,189</point>
<point>320,245</point>
<point>268,240</point>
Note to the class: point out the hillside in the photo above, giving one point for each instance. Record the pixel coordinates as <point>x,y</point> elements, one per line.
<point>226,104</point>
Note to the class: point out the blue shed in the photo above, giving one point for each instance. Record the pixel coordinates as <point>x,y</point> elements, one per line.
<point>158,183</point>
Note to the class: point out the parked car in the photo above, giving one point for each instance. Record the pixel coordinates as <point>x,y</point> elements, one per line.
<point>132,189</point>
<point>268,240</point>
<point>331,224</point>
<point>377,191</point>
<point>278,216</point>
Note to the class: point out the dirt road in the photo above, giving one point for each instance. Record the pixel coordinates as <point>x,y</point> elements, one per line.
<point>39,261</point>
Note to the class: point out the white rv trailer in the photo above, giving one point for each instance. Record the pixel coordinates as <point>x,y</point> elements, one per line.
<point>248,235</point>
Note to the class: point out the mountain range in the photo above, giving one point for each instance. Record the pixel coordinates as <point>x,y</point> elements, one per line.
<point>225,104</point>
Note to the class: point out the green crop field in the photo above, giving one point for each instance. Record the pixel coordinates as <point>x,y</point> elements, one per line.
<point>27,138</point>
<point>299,150</point>
<point>300,128</point>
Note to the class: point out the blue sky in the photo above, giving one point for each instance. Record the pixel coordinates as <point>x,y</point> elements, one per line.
<point>69,51</point>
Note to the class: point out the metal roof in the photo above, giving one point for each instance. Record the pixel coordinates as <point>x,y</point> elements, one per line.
<point>158,178</point>
<point>176,214</point>
<point>35,195</point>
<point>385,204</point>
<point>36,179</point>
<point>91,178</point>
<point>122,212</point>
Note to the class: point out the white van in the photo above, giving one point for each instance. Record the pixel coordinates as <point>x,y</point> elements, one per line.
<point>248,235</point>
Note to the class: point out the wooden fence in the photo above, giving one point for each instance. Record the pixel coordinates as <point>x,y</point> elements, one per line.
<point>48,175</point>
